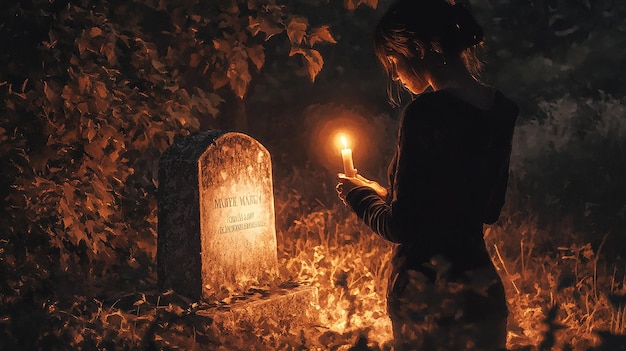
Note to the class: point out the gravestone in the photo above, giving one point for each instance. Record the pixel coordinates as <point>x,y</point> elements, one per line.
<point>216,224</point>
<point>216,230</point>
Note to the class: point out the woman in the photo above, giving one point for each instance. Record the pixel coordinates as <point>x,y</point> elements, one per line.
<point>448,177</point>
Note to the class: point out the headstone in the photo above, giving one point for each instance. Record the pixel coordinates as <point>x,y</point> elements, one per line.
<point>216,224</point>
<point>216,229</point>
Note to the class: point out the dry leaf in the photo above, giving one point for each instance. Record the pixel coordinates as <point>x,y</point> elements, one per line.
<point>314,60</point>
<point>84,84</point>
<point>256,55</point>
<point>95,32</point>
<point>194,60</point>
<point>101,90</point>
<point>296,30</point>
<point>321,35</point>
<point>265,25</point>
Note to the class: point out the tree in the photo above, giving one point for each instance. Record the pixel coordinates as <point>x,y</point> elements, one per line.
<point>93,92</point>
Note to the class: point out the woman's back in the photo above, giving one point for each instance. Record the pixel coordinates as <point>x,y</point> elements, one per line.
<point>456,176</point>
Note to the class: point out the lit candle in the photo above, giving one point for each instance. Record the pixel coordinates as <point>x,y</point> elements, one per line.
<point>346,157</point>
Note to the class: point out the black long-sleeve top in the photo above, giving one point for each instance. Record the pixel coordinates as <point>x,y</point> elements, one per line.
<point>448,177</point>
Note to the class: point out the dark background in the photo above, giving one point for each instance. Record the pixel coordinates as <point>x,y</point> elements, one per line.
<point>92,92</point>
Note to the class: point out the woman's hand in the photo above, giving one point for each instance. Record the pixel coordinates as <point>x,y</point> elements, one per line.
<point>348,183</point>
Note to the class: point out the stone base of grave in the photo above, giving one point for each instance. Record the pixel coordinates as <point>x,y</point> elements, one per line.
<point>285,309</point>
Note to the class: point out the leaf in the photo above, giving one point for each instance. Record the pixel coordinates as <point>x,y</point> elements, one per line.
<point>265,25</point>
<point>353,4</point>
<point>50,93</point>
<point>350,4</point>
<point>95,32</point>
<point>215,99</point>
<point>84,84</point>
<point>68,136</point>
<point>82,45</point>
<point>109,51</point>
<point>194,60</point>
<point>222,45</point>
<point>89,131</point>
<point>65,213</point>
<point>101,90</point>
<point>95,149</point>
<point>206,103</point>
<point>239,78</point>
<point>256,55</point>
<point>83,107</point>
<point>238,72</point>
<point>321,35</point>
<point>40,160</point>
<point>68,192</point>
<point>90,224</point>
<point>159,66</point>
<point>100,105</point>
<point>219,79</point>
<point>313,58</point>
<point>296,30</point>
<point>371,3</point>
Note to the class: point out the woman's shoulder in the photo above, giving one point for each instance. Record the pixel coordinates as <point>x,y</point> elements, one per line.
<point>421,116</point>
<point>445,102</point>
<point>432,101</point>
<point>428,110</point>
<point>440,110</point>
<point>508,105</point>
<point>424,101</point>
<point>419,110</point>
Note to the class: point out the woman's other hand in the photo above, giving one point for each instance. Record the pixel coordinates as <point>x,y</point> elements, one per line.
<point>348,183</point>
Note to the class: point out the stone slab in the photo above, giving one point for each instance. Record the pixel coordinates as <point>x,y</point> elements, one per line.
<point>286,307</point>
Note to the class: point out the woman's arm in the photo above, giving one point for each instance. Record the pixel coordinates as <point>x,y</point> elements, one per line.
<point>498,194</point>
<point>402,220</point>
<point>496,200</point>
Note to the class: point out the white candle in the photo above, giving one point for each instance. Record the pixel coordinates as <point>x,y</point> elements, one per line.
<point>346,157</point>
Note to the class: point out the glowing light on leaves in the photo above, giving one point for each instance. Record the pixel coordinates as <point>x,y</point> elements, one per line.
<point>353,4</point>
<point>321,35</point>
<point>296,30</point>
<point>314,60</point>
<point>256,55</point>
<point>262,24</point>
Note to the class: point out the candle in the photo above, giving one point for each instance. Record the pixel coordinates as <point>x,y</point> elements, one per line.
<point>346,157</point>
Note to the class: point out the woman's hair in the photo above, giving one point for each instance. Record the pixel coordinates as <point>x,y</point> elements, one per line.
<point>413,28</point>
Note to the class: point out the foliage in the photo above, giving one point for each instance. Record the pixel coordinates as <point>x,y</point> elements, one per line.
<point>93,92</point>
<point>350,284</point>
<point>570,164</point>
<point>536,46</point>
<point>326,247</point>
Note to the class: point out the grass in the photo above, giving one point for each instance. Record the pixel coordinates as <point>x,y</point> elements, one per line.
<point>568,298</point>
<point>566,287</point>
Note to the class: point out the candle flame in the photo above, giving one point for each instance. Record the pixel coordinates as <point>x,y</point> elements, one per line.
<point>344,141</point>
